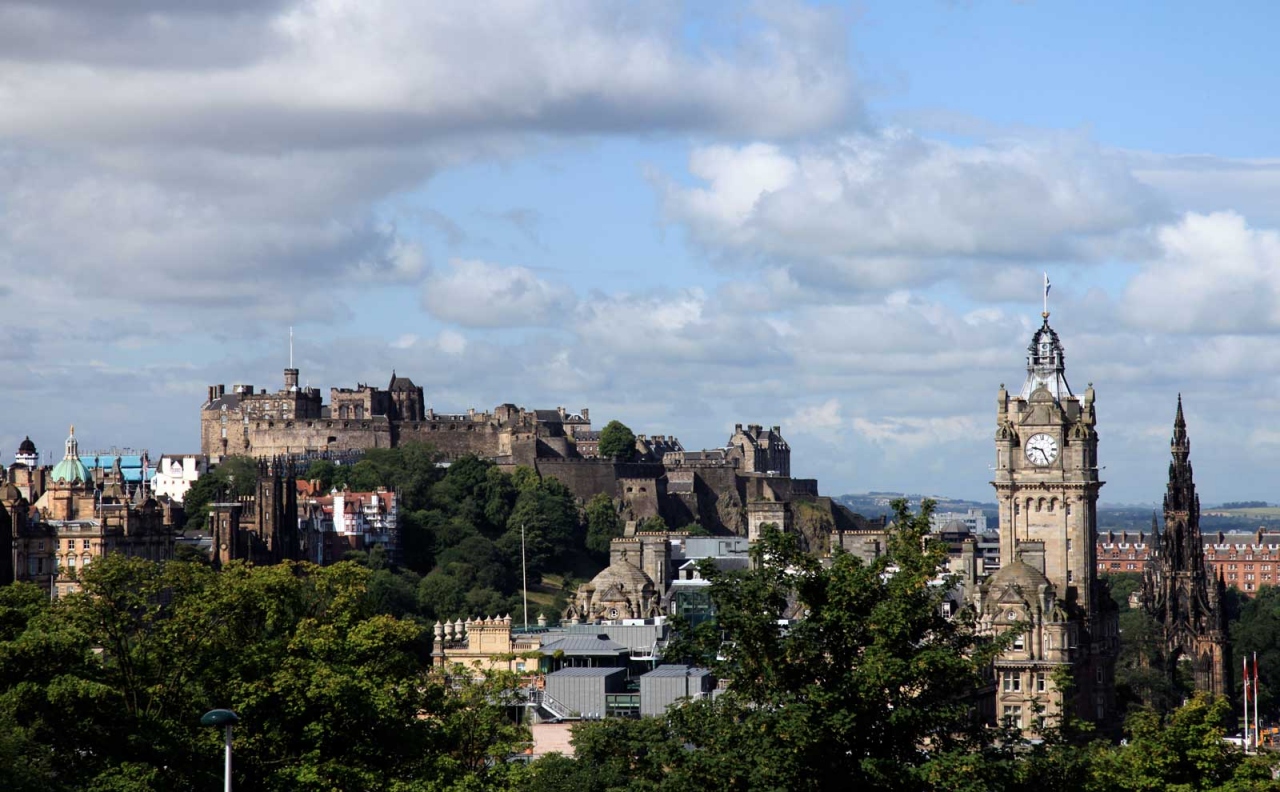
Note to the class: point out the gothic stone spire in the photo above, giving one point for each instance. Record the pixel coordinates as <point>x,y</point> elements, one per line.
<point>1177,591</point>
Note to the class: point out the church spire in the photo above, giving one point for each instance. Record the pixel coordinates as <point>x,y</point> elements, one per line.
<point>1180,445</point>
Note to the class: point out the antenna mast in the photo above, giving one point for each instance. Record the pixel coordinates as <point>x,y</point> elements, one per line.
<point>290,346</point>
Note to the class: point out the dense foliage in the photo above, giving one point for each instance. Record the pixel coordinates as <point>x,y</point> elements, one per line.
<point>461,530</point>
<point>234,477</point>
<point>617,441</point>
<point>870,691</point>
<point>104,689</point>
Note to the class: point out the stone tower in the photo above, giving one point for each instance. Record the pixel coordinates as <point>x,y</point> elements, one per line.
<point>1046,482</point>
<point>1177,592</point>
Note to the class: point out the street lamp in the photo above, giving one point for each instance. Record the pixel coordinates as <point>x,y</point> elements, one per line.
<point>222,717</point>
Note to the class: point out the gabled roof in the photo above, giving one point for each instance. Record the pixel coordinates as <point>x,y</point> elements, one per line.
<point>400,384</point>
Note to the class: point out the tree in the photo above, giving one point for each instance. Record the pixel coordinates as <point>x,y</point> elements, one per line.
<point>845,696</point>
<point>1258,630</point>
<point>617,442</point>
<point>234,477</point>
<point>603,524</point>
<point>1183,750</point>
<point>654,524</point>
<point>104,689</point>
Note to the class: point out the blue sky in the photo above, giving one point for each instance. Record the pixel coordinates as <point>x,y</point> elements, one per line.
<point>828,216</point>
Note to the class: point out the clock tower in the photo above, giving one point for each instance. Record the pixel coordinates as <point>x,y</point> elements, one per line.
<point>1046,482</point>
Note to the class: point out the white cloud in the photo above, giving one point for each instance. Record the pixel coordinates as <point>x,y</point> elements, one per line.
<point>481,294</point>
<point>1214,274</point>
<point>890,209</point>
<point>818,419</point>
<point>912,435</point>
<point>350,72</point>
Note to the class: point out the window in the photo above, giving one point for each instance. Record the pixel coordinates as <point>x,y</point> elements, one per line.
<point>1012,715</point>
<point>71,544</point>
<point>1131,566</point>
<point>71,563</point>
<point>1040,682</point>
<point>1097,675</point>
<point>1115,564</point>
<point>1020,642</point>
<point>1012,682</point>
<point>84,545</point>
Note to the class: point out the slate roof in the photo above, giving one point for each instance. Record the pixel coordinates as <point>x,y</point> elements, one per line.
<point>586,672</point>
<point>676,671</point>
<point>584,646</point>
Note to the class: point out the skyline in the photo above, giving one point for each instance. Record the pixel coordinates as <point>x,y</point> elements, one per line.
<point>829,217</point>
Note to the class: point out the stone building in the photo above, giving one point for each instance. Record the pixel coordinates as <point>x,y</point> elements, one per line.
<point>1186,603</point>
<point>486,644</point>
<point>1046,482</point>
<point>75,521</point>
<point>294,421</point>
<point>1020,596</point>
<point>729,490</point>
<point>652,574</point>
<point>261,528</point>
<point>761,450</point>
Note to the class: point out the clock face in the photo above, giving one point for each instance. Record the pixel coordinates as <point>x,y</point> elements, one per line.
<point>1041,449</point>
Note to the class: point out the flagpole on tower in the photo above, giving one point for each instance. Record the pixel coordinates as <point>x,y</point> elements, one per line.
<point>1047,286</point>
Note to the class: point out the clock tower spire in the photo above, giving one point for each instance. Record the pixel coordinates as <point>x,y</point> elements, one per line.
<point>1047,484</point>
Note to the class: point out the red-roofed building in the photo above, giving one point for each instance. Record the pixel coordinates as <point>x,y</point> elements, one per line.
<point>341,521</point>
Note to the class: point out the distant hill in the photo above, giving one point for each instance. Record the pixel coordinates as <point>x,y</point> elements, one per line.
<point>873,504</point>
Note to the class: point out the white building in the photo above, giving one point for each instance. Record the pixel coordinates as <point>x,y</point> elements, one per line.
<point>974,519</point>
<point>176,473</point>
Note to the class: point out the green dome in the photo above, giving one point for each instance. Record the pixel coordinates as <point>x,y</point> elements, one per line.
<point>71,469</point>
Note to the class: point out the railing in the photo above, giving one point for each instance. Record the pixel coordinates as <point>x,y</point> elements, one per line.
<point>540,699</point>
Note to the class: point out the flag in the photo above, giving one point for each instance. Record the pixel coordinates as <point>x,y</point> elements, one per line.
<point>1047,285</point>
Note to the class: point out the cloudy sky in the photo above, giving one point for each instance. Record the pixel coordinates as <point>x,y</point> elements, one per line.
<point>832,217</point>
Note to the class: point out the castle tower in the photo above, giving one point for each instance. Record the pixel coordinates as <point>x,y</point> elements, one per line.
<point>1046,482</point>
<point>1177,592</point>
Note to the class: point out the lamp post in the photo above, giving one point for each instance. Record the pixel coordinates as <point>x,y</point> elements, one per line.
<point>222,717</point>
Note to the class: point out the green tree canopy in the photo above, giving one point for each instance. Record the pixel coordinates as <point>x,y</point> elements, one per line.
<point>617,442</point>
<point>104,689</point>
<point>846,695</point>
<point>603,524</point>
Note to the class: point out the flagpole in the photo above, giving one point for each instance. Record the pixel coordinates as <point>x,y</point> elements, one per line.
<point>524,575</point>
<point>1257,738</point>
<point>1245,667</point>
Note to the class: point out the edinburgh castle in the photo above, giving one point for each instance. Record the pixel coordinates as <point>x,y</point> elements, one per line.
<point>729,490</point>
